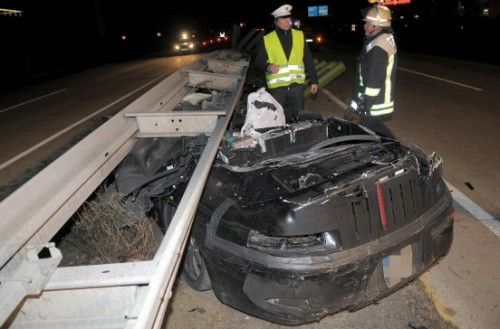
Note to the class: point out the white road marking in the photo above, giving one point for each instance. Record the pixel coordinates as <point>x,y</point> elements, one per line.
<point>441,79</point>
<point>51,138</point>
<point>33,100</point>
<point>473,208</point>
<point>334,98</point>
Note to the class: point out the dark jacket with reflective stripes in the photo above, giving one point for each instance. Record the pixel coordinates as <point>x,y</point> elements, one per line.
<point>376,75</point>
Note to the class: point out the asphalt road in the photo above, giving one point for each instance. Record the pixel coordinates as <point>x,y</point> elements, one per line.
<point>450,107</point>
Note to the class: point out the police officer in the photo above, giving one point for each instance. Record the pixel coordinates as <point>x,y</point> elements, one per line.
<point>286,59</point>
<point>373,99</point>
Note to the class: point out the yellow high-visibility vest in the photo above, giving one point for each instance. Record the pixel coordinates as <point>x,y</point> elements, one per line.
<point>291,70</point>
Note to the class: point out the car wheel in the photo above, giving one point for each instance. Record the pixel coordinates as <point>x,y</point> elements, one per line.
<point>194,269</point>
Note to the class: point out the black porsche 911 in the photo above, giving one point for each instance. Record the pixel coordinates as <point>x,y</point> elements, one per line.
<point>303,220</point>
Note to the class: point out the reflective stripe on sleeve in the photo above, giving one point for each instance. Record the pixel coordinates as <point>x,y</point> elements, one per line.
<point>388,82</point>
<point>372,91</point>
<point>382,106</point>
<point>381,112</point>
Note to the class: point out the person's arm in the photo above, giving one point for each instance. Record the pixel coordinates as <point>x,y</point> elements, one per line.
<point>310,69</point>
<point>374,74</point>
<point>261,60</point>
<point>309,65</point>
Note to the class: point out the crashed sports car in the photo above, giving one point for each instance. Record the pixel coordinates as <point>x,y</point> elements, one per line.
<point>301,220</point>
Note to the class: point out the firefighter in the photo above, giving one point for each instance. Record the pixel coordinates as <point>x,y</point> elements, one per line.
<point>373,97</point>
<point>286,59</point>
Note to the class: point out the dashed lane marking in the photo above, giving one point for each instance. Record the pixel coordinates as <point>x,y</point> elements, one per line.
<point>33,100</point>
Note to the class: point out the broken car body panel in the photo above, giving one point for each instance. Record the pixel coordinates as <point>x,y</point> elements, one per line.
<point>312,218</point>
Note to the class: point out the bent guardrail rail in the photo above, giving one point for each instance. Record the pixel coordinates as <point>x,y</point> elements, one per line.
<point>34,292</point>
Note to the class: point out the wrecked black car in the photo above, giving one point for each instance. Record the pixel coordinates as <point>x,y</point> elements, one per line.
<point>302,220</point>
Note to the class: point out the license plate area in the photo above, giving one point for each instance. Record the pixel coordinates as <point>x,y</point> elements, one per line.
<point>398,266</point>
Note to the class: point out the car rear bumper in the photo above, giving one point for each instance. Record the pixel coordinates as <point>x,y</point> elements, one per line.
<point>295,290</point>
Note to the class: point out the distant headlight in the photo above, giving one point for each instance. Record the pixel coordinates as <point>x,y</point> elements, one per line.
<point>177,47</point>
<point>309,40</point>
<point>191,45</point>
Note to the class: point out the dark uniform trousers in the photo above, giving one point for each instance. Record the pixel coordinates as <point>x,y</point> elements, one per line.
<point>291,98</point>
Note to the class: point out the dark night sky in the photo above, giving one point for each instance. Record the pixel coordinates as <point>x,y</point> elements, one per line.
<point>55,34</point>
<point>115,15</point>
<point>56,19</point>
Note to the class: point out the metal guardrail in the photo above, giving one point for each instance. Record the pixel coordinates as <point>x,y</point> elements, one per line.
<point>34,292</point>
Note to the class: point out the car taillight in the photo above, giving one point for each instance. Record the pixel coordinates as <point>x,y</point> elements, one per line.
<point>381,207</point>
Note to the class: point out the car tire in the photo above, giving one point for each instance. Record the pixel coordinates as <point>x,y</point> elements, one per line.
<point>194,269</point>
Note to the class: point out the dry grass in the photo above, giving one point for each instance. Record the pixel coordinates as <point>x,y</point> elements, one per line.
<point>108,231</point>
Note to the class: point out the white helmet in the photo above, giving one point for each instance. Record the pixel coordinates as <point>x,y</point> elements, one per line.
<point>378,15</point>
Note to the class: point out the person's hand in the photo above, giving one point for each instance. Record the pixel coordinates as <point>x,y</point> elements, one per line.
<point>273,68</point>
<point>314,89</point>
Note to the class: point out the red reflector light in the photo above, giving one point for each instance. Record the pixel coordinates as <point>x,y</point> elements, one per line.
<point>381,208</point>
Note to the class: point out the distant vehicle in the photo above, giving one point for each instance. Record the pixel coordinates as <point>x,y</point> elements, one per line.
<point>214,41</point>
<point>186,43</point>
<point>314,39</point>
